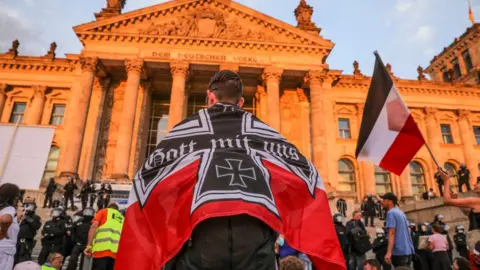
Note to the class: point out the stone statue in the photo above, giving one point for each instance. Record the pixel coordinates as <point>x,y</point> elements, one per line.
<point>304,13</point>
<point>389,69</point>
<point>116,4</point>
<point>421,75</point>
<point>14,50</point>
<point>356,69</point>
<point>51,52</point>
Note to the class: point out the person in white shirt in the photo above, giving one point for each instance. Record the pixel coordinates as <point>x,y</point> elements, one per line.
<point>9,194</point>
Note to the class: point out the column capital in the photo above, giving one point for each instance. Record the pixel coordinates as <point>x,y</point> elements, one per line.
<point>101,83</point>
<point>180,68</point>
<point>315,77</point>
<point>230,66</point>
<point>272,74</point>
<point>431,111</point>
<point>3,88</point>
<point>260,92</point>
<point>89,64</point>
<point>39,91</point>
<point>464,114</point>
<point>134,65</point>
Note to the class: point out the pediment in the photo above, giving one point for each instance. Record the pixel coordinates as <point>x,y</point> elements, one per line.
<point>209,20</point>
<point>345,109</point>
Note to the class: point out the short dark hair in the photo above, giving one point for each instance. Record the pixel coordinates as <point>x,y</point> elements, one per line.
<point>226,86</point>
<point>437,227</point>
<point>463,264</point>
<point>113,205</point>
<point>373,262</point>
<point>291,263</point>
<point>8,193</point>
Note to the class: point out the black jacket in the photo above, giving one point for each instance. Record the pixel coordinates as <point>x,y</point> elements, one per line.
<point>70,188</point>
<point>80,231</point>
<point>343,239</point>
<point>51,188</point>
<point>53,232</point>
<point>370,207</point>
<point>464,175</point>
<point>29,226</point>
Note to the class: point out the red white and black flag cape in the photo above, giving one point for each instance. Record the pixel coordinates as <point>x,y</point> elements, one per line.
<point>389,137</point>
<point>223,162</point>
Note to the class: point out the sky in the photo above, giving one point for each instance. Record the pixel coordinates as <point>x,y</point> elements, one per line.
<point>406,33</point>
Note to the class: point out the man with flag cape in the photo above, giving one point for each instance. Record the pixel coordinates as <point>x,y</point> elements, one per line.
<point>217,191</point>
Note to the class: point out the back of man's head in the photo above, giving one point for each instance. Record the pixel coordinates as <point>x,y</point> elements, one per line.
<point>291,263</point>
<point>372,264</point>
<point>227,86</point>
<point>113,205</point>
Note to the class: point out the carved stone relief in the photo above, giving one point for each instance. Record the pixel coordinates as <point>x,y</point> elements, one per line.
<point>205,23</point>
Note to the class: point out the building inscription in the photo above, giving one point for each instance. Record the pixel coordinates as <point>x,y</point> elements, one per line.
<point>209,57</point>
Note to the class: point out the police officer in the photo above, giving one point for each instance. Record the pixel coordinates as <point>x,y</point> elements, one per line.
<point>380,245</point>
<point>460,239</point>
<point>84,194</point>
<point>463,177</point>
<point>342,235</point>
<point>52,235</point>
<point>80,230</point>
<point>102,196</point>
<point>29,226</point>
<point>425,255</point>
<point>67,242</point>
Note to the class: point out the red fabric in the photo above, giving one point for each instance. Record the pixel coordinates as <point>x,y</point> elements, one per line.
<point>153,235</point>
<point>404,147</point>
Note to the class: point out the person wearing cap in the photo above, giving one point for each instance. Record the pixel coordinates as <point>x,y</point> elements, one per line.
<point>54,262</point>
<point>400,247</point>
<point>51,188</point>
<point>463,177</point>
<point>80,229</point>
<point>104,237</point>
<point>52,235</point>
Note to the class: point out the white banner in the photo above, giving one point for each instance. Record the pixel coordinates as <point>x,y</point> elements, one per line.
<point>23,154</point>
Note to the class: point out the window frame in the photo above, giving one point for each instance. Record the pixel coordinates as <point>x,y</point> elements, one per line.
<point>342,132</point>
<point>54,116</point>
<point>445,135</point>
<point>350,172</point>
<point>457,71</point>
<point>454,177</point>
<point>476,135</point>
<point>388,185</point>
<point>47,172</point>
<point>467,59</point>
<point>422,187</point>
<point>14,114</point>
<point>445,76</point>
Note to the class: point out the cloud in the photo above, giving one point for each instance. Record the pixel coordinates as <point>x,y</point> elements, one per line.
<point>403,5</point>
<point>424,34</point>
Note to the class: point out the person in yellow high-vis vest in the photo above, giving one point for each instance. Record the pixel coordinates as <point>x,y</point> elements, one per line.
<point>104,237</point>
<point>54,262</point>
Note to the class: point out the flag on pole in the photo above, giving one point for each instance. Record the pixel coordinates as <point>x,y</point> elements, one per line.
<point>389,137</point>
<point>470,12</point>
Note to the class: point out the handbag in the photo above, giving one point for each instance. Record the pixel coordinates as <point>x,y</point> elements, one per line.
<point>423,242</point>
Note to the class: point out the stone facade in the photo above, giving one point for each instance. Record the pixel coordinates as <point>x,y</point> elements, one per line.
<point>142,72</point>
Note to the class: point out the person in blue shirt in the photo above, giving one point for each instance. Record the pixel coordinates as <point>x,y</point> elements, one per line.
<point>400,247</point>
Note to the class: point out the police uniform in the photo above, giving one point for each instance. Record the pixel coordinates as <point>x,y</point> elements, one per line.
<point>80,230</point>
<point>379,247</point>
<point>52,236</point>
<point>29,226</point>
<point>460,239</point>
<point>341,235</point>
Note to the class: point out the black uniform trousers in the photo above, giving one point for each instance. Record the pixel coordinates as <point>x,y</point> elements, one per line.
<point>46,250</point>
<point>69,197</point>
<point>463,182</point>
<point>48,200</point>
<point>105,263</point>
<point>77,254</point>
<point>24,250</point>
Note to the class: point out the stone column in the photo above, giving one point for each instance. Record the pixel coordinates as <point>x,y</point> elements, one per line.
<point>262,109</point>
<point>271,78</point>
<point>35,110</point>
<point>368,170</point>
<point>3,97</point>
<point>461,63</point>
<point>434,139</point>
<point>468,142</point>
<point>180,72</point>
<point>76,117</point>
<point>125,131</point>
<point>406,189</point>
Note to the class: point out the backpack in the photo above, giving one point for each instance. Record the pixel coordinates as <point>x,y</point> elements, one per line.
<point>360,240</point>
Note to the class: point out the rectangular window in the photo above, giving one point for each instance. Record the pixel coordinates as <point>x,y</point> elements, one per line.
<point>17,112</point>
<point>446,133</point>
<point>58,114</point>
<point>446,77</point>
<point>467,60</point>
<point>456,68</point>
<point>344,128</point>
<point>476,131</point>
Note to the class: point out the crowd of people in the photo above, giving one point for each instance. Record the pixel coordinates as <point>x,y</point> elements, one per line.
<point>90,233</point>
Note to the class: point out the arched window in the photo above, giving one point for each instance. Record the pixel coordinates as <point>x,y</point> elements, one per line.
<point>383,182</point>
<point>452,171</point>
<point>346,173</point>
<point>417,175</point>
<point>51,167</point>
